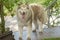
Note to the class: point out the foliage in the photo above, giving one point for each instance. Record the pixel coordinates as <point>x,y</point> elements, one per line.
<point>9,4</point>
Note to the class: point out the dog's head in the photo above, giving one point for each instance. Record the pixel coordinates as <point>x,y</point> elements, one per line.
<point>23,10</point>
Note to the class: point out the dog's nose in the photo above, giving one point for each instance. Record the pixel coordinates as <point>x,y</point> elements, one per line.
<point>23,13</point>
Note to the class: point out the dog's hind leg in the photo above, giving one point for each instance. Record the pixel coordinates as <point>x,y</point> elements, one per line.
<point>40,26</point>
<point>36,26</point>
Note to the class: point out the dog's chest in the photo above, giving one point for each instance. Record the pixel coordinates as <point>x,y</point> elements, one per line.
<point>25,23</point>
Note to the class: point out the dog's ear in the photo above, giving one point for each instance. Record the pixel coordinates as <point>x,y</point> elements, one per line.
<point>20,3</point>
<point>27,5</point>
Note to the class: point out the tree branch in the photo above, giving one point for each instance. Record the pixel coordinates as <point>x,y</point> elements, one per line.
<point>51,4</point>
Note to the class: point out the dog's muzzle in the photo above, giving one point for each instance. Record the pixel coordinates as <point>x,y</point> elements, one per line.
<point>23,15</point>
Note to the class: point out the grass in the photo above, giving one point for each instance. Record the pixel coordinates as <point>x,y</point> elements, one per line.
<point>52,39</point>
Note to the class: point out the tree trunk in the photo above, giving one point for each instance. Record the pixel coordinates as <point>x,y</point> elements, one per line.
<point>48,17</point>
<point>2,17</point>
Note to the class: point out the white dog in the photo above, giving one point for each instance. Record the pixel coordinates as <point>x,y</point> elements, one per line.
<point>28,13</point>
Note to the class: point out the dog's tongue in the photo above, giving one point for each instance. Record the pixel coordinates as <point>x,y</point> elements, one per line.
<point>23,16</point>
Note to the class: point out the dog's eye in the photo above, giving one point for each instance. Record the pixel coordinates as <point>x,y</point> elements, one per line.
<point>19,11</point>
<point>19,7</point>
<point>27,7</point>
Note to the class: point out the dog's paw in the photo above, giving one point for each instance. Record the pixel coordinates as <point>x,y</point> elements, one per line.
<point>40,32</point>
<point>20,38</point>
<point>28,38</point>
<point>34,30</point>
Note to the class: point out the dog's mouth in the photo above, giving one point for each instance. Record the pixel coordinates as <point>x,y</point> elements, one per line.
<point>23,15</point>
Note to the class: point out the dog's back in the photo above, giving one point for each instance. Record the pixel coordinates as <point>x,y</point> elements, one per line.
<point>38,12</point>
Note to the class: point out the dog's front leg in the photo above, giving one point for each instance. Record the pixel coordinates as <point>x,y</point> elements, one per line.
<point>29,32</point>
<point>20,32</point>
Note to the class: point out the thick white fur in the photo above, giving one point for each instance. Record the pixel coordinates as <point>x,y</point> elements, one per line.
<point>35,13</point>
